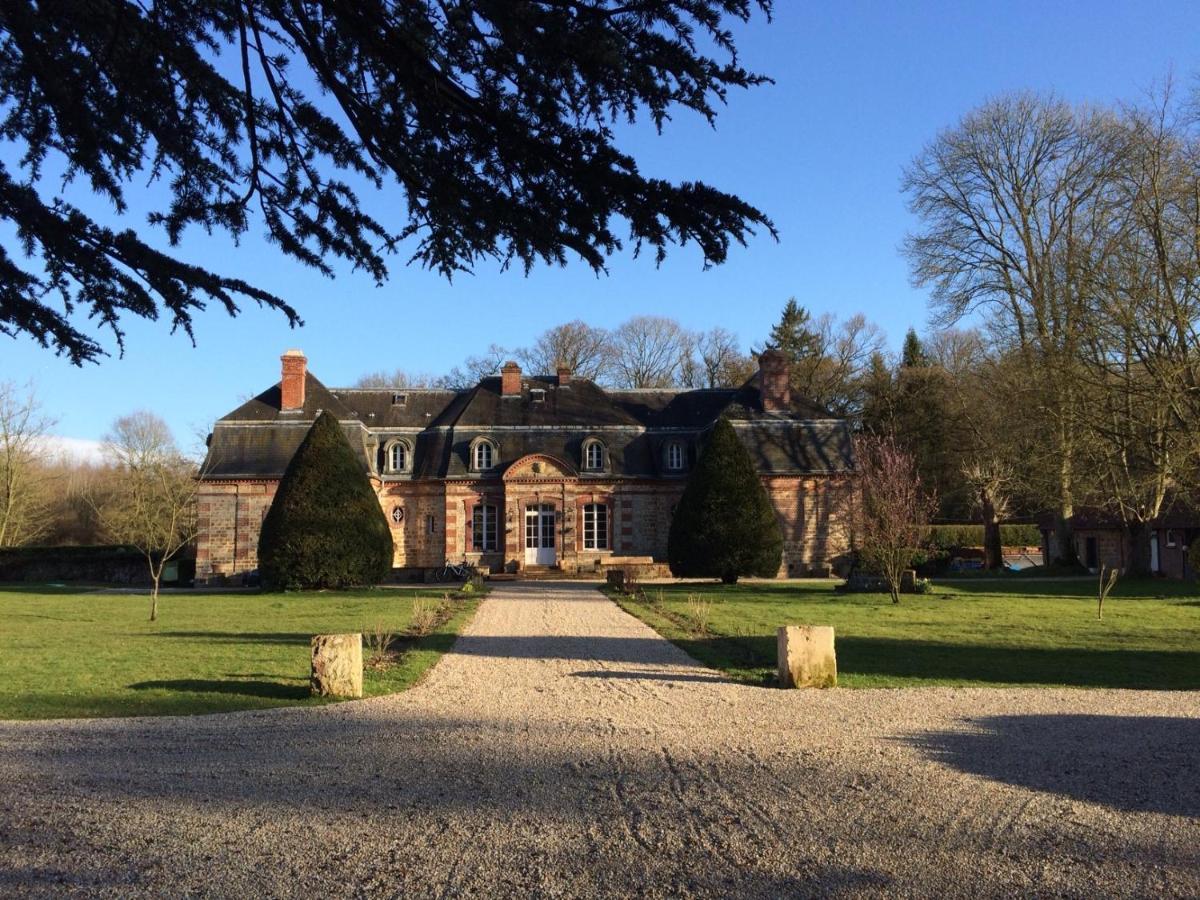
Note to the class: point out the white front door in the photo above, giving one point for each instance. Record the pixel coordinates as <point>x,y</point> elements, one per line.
<point>539,535</point>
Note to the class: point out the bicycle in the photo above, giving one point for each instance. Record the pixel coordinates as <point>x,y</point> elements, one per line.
<point>452,572</point>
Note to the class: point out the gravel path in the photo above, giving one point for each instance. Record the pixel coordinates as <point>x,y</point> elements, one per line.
<point>564,749</point>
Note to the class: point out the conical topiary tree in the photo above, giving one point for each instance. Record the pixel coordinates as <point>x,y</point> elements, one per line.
<point>724,526</point>
<point>325,527</point>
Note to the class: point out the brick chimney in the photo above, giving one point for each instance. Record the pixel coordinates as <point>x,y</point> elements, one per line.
<point>564,375</point>
<point>291,383</point>
<point>510,380</point>
<point>774,380</point>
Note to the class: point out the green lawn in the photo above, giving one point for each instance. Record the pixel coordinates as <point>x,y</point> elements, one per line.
<point>70,653</point>
<point>966,633</point>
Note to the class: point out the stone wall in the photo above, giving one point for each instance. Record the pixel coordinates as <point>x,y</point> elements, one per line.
<point>816,516</point>
<point>230,515</point>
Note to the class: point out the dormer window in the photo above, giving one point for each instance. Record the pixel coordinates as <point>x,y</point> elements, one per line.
<point>397,457</point>
<point>483,456</point>
<point>593,456</point>
<point>537,395</point>
<point>675,456</point>
<point>399,399</point>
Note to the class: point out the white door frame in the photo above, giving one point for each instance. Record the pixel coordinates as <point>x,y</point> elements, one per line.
<point>539,535</point>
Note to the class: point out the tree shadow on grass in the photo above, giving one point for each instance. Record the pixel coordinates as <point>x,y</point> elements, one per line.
<point>239,637</point>
<point>18,587</point>
<point>1133,763</point>
<point>938,662</point>
<point>270,689</point>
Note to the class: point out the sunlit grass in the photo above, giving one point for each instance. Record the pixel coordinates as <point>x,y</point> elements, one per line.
<point>970,633</point>
<point>70,653</point>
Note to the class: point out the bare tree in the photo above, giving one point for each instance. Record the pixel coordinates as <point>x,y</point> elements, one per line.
<point>1150,287</point>
<point>1142,351</point>
<point>584,349</point>
<point>717,361</point>
<point>152,505</point>
<point>651,352</point>
<point>399,378</point>
<point>23,481</point>
<point>476,368</point>
<point>1013,210</point>
<point>987,442</point>
<point>833,375</point>
<point>894,508</point>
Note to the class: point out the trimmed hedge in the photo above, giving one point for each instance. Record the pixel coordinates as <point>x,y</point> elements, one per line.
<point>945,537</point>
<point>325,528</point>
<point>93,563</point>
<point>724,526</point>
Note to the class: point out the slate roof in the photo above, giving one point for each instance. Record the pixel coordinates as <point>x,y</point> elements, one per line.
<point>257,439</point>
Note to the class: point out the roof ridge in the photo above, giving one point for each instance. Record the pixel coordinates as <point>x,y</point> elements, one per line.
<point>407,390</point>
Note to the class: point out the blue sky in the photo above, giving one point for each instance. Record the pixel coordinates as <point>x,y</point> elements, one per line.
<point>860,88</point>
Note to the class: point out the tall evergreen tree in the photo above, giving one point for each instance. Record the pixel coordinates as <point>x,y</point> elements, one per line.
<point>879,397</point>
<point>325,528</point>
<point>793,333</point>
<point>924,426</point>
<point>913,354</point>
<point>724,526</point>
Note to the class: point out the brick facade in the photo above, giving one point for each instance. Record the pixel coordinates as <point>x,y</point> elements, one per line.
<point>1098,544</point>
<point>436,522</point>
<point>539,430</point>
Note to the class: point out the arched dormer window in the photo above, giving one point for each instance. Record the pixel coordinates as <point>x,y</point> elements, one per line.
<point>397,457</point>
<point>675,456</point>
<point>483,455</point>
<point>593,455</point>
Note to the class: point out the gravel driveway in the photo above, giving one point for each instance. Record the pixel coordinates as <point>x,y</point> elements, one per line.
<point>564,749</point>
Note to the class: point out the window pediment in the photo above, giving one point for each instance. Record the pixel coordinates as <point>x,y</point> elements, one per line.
<point>539,465</point>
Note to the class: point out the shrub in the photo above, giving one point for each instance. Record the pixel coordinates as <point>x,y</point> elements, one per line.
<point>325,528</point>
<point>699,611</point>
<point>424,615</point>
<point>378,640</point>
<point>724,526</point>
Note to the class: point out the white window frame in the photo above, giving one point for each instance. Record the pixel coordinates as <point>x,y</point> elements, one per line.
<point>486,518</point>
<point>589,448</point>
<point>393,448</point>
<point>675,456</point>
<point>595,526</point>
<point>477,454</point>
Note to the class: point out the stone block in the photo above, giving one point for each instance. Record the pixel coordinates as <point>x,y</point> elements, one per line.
<point>806,656</point>
<point>908,581</point>
<point>337,665</point>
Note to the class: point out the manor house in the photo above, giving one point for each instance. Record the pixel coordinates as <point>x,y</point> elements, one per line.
<point>523,472</point>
